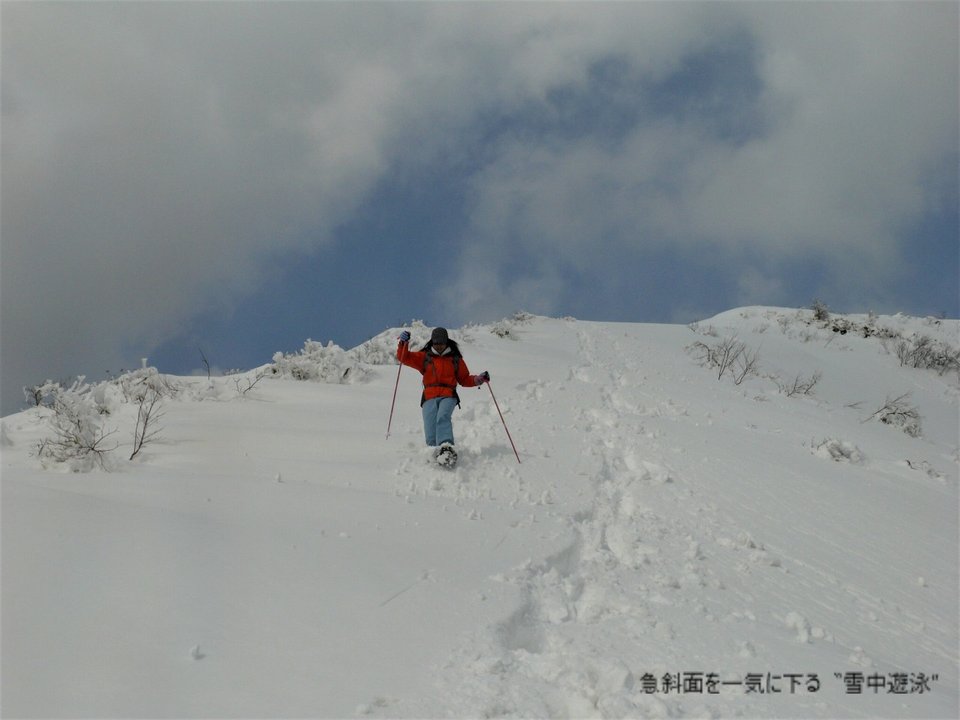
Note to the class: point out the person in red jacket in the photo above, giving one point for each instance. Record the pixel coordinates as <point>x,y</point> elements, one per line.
<point>443,369</point>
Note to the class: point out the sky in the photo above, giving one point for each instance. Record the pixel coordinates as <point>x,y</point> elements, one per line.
<point>235,178</point>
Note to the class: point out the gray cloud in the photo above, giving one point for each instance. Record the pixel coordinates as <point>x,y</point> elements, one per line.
<point>857,105</point>
<point>154,154</point>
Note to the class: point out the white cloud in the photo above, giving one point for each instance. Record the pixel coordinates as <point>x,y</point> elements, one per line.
<point>153,153</point>
<point>871,92</point>
<point>861,105</point>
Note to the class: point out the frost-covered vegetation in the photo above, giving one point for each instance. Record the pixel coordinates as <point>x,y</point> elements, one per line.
<point>661,522</point>
<point>320,363</point>
<point>84,419</point>
<point>919,343</point>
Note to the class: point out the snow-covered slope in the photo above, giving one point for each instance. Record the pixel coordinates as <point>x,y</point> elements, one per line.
<point>673,544</point>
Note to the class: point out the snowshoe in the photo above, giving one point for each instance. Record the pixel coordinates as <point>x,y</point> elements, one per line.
<point>447,456</point>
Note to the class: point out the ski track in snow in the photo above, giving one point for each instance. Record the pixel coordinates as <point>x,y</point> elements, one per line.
<point>600,617</point>
<point>628,562</point>
<point>624,560</point>
<point>666,501</point>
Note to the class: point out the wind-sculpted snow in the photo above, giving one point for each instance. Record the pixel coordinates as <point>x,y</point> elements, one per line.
<point>673,544</point>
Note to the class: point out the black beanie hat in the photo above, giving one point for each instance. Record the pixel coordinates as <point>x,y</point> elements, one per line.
<point>439,336</point>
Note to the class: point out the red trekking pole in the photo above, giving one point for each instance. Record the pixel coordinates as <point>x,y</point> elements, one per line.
<point>503,421</point>
<point>394,401</point>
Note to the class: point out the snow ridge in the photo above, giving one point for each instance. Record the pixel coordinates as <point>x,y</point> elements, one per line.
<point>642,584</point>
<point>674,544</point>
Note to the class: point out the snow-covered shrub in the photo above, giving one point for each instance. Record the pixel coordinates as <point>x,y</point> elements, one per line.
<point>745,364</point>
<point>146,388</point>
<point>136,384</point>
<point>728,355</point>
<point>820,310</point>
<point>922,351</point>
<point>898,413</point>
<point>719,356</point>
<point>42,394</point>
<point>925,467</point>
<point>148,414</point>
<point>76,418</point>
<point>318,362</point>
<point>78,415</point>
<point>245,382</point>
<point>133,386</point>
<point>708,330</point>
<point>800,385</point>
<point>838,451</point>
<point>503,329</point>
<point>506,328</point>
<point>109,397</point>
<point>382,349</point>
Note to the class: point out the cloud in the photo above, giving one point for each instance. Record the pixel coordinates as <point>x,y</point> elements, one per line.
<point>153,155</point>
<point>156,155</point>
<point>850,109</point>
<point>868,107</point>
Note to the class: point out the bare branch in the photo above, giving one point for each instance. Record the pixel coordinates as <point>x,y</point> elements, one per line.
<point>898,413</point>
<point>206,363</point>
<point>726,353</point>
<point>148,414</point>
<point>746,363</point>
<point>250,384</point>
<point>801,385</point>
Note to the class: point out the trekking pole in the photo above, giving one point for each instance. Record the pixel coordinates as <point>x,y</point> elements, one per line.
<point>503,421</point>
<point>394,401</point>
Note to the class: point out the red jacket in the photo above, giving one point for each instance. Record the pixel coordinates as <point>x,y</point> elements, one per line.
<point>441,373</point>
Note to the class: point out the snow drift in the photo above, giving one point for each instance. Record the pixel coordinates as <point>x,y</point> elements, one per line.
<point>753,516</point>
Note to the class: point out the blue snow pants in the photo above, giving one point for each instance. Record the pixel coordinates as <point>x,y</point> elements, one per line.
<point>437,422</point>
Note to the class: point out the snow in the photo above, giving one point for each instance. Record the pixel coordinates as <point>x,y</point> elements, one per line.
<point>672,544</point>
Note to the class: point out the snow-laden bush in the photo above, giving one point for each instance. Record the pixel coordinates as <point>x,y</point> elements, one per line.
<point>77,416</point>
<point>800,385</point>
<point>245,382</point>
<point>506,328</point>
<point>146,429</point>
<point>821,311</point>
<point>729,355</point>
<point>870,328</point>
<point>503,329</point>
<point>42,394</point>
<point>320,363</point>
<point>133,386</point>
<point>924,466</point>
<point>136,384</point>
<point>79,439</point>
<point>898,413</point>
<point>922,351</point>
<point>382,349</point>
<point>708,330</point>
<point>838,451</point>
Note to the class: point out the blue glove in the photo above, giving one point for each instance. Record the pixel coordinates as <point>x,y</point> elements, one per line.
<point>482,378</point>
<point>404,337</point>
